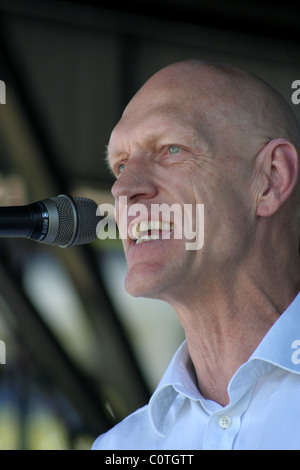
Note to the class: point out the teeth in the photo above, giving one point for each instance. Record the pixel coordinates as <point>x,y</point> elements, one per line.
<point>140,231</point>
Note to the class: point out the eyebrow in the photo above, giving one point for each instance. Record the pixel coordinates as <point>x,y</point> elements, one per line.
<point>107,161</point>
<point>106,156</point>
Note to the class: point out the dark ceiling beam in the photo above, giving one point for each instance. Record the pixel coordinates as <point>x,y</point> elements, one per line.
<point>24,131</point>
<point>275,19</point>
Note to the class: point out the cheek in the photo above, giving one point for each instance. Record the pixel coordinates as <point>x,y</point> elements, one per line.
<point>229,209</point>
<point>229,215</point>
<point>234,230</point>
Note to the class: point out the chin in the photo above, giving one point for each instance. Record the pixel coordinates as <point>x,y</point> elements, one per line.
<point>139,288</point>
<point>143,283</point>
<point>150,283</point>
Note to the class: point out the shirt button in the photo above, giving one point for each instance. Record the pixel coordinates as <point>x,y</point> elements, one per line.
<point>225,422</point>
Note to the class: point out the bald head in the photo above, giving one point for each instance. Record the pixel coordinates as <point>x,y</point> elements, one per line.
<point>234,109</point>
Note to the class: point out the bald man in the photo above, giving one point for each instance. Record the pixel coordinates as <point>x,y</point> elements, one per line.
<point>212,134</point>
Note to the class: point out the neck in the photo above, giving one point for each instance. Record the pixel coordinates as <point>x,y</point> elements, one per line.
<point>224,325</point>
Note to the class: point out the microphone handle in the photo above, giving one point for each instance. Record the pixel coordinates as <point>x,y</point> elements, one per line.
<point>31,221</point>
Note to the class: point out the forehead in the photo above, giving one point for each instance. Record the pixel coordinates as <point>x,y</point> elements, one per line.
<point>153,121</point>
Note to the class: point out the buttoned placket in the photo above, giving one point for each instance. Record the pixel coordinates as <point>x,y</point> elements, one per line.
<point>224,424</point>
<point>221,430</point>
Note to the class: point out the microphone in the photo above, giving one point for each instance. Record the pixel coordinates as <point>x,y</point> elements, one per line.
<point>63,221</point>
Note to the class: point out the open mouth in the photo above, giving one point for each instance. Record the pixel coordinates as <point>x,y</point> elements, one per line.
<point>148,230</point>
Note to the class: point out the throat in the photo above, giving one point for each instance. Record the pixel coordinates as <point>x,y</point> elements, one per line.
<point>219,343</point>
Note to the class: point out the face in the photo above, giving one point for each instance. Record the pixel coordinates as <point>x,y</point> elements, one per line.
<point>162,154</point>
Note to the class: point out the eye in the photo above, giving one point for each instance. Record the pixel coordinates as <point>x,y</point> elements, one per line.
<point>173,149</point>
<point>120,168</point>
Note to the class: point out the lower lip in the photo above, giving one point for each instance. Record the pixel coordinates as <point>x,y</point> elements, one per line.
<point>153,242</point>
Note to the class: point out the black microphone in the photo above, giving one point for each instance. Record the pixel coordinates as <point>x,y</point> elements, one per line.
<point>63,221</point>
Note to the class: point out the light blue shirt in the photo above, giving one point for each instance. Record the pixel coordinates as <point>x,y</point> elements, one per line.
<point>263,412</point>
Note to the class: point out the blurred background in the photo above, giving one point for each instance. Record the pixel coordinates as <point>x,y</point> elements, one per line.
<point>80,354</point>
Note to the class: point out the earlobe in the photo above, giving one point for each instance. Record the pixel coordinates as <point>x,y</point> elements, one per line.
<point>279,175</point>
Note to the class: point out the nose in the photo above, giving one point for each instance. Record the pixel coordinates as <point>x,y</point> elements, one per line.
<point>135,182</point>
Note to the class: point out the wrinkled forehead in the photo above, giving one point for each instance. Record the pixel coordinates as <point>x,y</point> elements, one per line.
<point>159,116</point>
<point>162,111</point>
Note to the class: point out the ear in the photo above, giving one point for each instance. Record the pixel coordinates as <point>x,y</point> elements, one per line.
<point>279,175</point>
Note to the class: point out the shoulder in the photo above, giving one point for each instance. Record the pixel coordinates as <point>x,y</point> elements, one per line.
<point>134,432</point>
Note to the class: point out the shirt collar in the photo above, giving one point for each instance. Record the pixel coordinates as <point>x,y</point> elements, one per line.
<point>281,344</point>
<point>177,383</point>
<point>279,347</point>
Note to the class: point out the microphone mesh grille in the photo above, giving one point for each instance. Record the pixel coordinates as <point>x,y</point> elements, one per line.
<point>87,220</point>
<point>66,225</point>
<point>86,223</point>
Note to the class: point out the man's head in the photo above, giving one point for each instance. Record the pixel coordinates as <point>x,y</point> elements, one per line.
<point>212,134</point>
